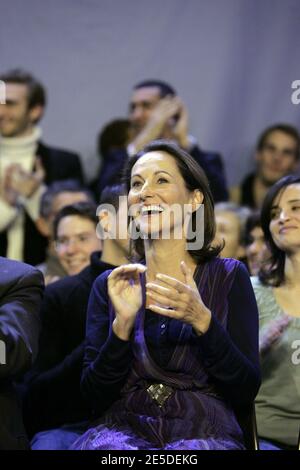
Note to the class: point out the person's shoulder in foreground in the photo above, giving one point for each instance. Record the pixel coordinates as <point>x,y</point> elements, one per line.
<point>21,288</point>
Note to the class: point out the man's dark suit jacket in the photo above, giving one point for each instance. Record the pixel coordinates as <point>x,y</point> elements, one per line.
<point>21,289</point>
<point>59,165</point>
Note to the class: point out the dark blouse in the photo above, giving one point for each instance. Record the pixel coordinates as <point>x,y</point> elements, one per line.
<point>230,356</point>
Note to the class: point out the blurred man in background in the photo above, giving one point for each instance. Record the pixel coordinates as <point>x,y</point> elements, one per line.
<point>57,196</point>
<point>277,155</point>
<point>156,111</point>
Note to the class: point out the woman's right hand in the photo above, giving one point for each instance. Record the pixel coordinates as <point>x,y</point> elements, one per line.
<point>125,292</point>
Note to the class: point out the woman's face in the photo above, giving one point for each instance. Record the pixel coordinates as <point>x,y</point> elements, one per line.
<point>285,219</point>
<point>158,196</point>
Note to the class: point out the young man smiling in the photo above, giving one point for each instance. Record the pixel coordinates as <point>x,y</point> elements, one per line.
<point>26,166</point>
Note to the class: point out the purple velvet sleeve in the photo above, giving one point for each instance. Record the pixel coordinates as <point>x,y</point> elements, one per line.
<point>107,358</point>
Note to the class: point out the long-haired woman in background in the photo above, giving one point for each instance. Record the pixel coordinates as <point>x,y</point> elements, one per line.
<point>277,293</point>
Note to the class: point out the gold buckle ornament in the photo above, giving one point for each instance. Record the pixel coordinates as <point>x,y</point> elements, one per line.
<point>159,393</point>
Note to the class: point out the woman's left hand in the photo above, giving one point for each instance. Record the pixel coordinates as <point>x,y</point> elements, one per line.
<point>178,300</point>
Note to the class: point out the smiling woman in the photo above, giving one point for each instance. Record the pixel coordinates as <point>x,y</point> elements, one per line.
<point>160,198</point>
<point>164,175</point>
<point>277,292</point>
<point>168,355</point>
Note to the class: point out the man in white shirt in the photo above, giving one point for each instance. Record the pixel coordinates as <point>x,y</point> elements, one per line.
<point>26,166</point>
